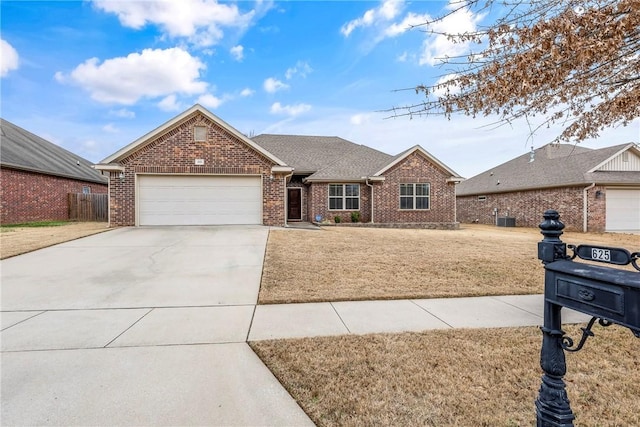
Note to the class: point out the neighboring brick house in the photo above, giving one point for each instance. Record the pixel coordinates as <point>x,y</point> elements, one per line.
<point>36,177</point>
<point>594,190</point>
<point>198,170</point>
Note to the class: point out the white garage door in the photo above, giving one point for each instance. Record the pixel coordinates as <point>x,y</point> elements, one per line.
<point>199,200</point>
<point>623,210</point>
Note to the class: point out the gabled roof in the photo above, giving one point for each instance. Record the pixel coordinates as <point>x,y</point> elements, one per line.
<point>21,149</point>
<point>307,154</point>
<point>553,165</point>
<point>418,149</point>
<point>324,157</point>
<point>356,164</point>
<point>169,125</point>
<point>329,158</point>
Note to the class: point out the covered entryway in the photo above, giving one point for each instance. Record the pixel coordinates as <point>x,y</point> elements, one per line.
<point>199,200</point>
<point>623,210</point>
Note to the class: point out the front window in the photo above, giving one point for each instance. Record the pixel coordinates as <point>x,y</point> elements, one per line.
<point>344,197</point>
<point>414,196</point>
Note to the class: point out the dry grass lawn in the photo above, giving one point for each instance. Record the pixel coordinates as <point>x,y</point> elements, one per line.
<point>343,263</point>
<point>465,377</point>
<point>19,240</point>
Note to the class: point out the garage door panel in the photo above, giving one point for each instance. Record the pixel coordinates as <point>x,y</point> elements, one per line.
<point>199,200</point>
<point>623,210</point>
<point>200,194</point>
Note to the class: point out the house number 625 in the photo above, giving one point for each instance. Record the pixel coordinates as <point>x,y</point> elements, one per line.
<point>600,254</point>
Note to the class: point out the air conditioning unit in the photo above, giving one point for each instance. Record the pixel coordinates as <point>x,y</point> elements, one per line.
<point>506,221</point>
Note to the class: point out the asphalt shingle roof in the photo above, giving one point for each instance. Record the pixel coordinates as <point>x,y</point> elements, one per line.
<point>553,165</point>
<point>324,157</point>
<point>20,149</point>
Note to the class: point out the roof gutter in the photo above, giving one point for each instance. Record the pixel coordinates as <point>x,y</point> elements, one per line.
<point>110,167</point>
<point>343,180</point>
<point>585,206</point>
<point>50,173</point>
<point>282,169</point>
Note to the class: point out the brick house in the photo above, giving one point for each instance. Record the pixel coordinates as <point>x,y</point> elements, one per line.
<point>594,190</point>
<point>333,177</point>
<point>197,170</point>
<point>36,177</point>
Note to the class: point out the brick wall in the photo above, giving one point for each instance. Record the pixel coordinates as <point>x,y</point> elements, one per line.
<point>528,206</point>
<point>29,197</point>
<point>415,169</point>
<point>319,203</point>
<point>176,151</point>
<point>386,197</point>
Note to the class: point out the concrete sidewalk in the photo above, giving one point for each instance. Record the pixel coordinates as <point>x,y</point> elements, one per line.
<point>363,317</point>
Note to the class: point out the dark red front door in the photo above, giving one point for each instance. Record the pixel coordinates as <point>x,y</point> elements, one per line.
<point>294,205</point>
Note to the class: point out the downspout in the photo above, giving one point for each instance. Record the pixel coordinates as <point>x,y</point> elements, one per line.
<point>108,199</point>
<point>585,206</point>
<point>455,202</point>
<point>286,197</point>
<point>366,181</point>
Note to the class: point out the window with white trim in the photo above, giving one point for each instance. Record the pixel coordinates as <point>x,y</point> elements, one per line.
<point>344,197</point>
<point>86,190</point>
<point>415,196</point>
<point>200,133</point>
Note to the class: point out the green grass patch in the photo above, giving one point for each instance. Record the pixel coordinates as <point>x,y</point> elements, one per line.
<point>35,224</point>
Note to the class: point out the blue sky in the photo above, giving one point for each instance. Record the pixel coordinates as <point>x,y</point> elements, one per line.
<point>93,76</point>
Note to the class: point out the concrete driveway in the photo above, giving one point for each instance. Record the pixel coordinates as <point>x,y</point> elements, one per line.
<point>138,326</point>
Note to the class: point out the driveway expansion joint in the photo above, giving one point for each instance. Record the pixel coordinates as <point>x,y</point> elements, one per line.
<point>131,326</point>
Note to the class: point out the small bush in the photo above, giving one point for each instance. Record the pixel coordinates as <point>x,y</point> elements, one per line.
<point>337,219</point>
<point>355,216</point>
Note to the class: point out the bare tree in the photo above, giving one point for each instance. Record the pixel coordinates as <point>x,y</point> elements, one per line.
<point>571,62</point>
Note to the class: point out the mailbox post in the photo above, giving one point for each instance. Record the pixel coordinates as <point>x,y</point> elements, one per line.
<point>607,294</point>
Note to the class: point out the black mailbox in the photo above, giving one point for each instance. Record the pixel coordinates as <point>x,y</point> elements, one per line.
<point>607,294</point>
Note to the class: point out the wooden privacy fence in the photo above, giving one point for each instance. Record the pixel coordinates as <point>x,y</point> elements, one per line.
<point>88,207</point>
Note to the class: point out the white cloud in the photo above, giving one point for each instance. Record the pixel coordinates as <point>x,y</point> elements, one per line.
<point>442,91</point>
<point>237,52</point>
<point>272,85</point>
<point>438,46</point>
<point>123,113</point>
<point>387,11</point>
<point>90,144</point>
<point>360,118</point>
<point>200,21</point>
<point>210,101</point>
<point>290,110</point>
<point>412,19</point>
<point>151,74</point>
<point>110,128</point>
<point>402,57</point>
<point>301,69</point>
<point>170,103</point>
<point>247,92</point>
<point>9,59</point>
